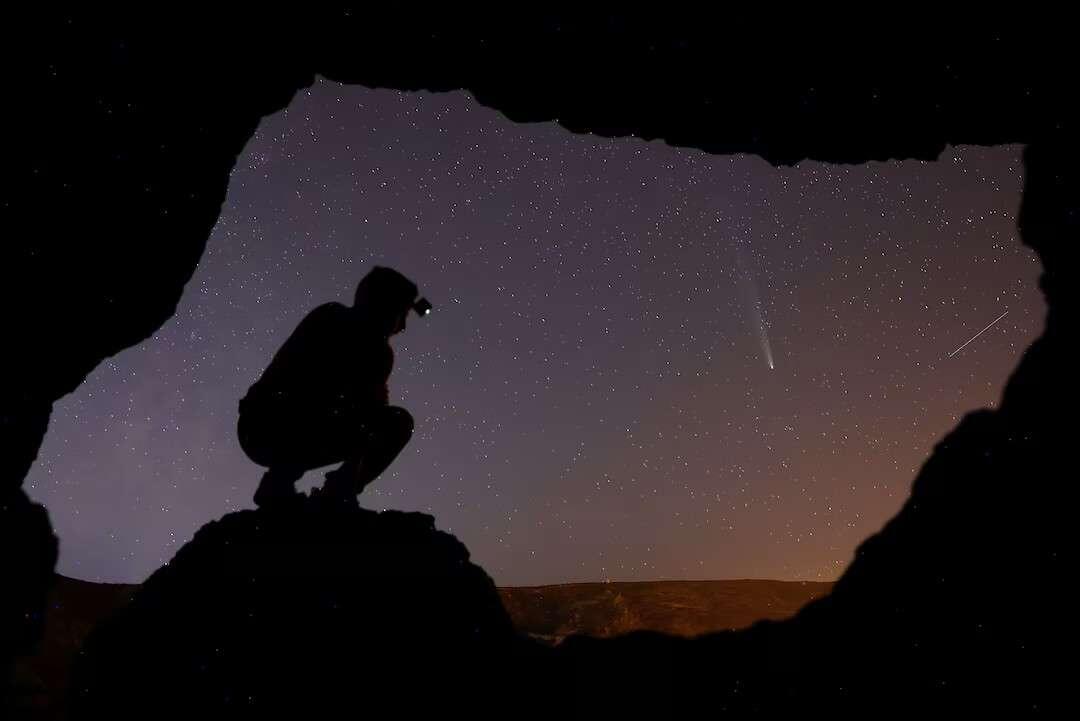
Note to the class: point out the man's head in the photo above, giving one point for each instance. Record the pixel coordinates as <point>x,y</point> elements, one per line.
<point>385,297</point>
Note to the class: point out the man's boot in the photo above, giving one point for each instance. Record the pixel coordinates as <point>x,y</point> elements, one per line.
<point>277,488</point>
<point>378,445</point>
<point>345,482</point>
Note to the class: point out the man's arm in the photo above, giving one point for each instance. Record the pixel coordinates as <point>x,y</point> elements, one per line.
<point>296,363</point>
<point>382,388</point>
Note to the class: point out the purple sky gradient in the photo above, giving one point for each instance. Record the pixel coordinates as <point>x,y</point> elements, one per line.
<point>592,395</point>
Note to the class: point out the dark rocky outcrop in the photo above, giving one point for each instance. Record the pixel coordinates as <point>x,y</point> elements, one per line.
<point>547,613</point>
<point>309,608</point>
<point>73,609</point>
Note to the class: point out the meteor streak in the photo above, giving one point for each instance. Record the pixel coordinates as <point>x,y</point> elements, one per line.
<point>995,320</point>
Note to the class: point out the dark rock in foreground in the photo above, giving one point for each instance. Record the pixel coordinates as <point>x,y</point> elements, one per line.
<point>73,609</point>
<point>311,608</point>
<point>547,613</point>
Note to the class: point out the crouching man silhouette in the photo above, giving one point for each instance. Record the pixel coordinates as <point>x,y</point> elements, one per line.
<point>324,397</point>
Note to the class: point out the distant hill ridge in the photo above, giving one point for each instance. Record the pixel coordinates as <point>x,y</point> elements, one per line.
<point>685,608</point>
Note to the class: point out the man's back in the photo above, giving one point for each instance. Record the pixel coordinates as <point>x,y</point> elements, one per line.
<point>333,359</point>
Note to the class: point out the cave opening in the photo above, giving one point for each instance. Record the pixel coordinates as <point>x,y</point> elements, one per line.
<point>645,363</point>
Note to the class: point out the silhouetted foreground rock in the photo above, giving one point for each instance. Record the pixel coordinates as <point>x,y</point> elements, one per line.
<point>74,609</point>
<point>311,608</point>
<point>548,613</point>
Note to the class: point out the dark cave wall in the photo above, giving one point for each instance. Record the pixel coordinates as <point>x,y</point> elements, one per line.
<point>124,131</point>
<point>125,144</point>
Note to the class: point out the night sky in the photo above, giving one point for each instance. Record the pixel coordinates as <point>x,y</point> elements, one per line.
<point>644,362</point>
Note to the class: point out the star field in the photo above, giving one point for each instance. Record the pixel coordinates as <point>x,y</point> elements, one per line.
<point>592,395</point>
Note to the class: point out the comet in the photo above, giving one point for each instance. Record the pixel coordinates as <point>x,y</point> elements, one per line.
<point>754,306</point>
<point>763,337</point>
<point>995,320</point>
